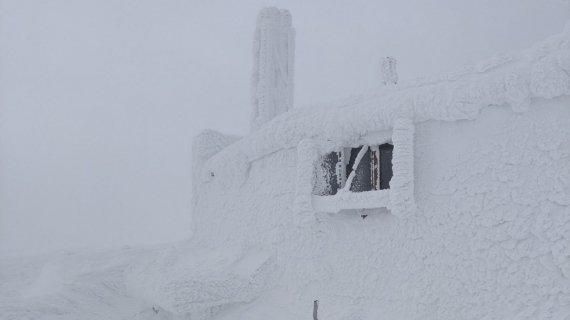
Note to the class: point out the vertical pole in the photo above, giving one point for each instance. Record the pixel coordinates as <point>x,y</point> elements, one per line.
<point>340,170</point>
<point>315,309</point>
<point>375,167</point>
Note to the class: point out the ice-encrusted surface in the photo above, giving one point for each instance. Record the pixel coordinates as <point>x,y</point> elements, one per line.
<point>542,71</point>
<point>489,237</point>
<point>204,146</point>
<point>197,281</point>
<point>273,66</point>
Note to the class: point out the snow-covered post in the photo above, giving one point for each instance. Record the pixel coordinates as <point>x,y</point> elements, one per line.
<point>389,71</point>
<point>307,155</point>
<point>402,183</point>
<point>273,66</point>
<point>315,310</point>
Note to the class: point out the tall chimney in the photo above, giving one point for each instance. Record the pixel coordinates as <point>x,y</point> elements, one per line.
<point>273,66</point>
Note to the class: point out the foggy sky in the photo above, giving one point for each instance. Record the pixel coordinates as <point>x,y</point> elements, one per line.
<point>99,99</point>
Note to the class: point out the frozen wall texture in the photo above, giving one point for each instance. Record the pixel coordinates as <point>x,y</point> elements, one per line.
<point>488,236</point>
<point>204,146</point>
<point>273,66</point>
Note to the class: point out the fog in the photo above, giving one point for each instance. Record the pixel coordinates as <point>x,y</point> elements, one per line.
<point>99,100</point>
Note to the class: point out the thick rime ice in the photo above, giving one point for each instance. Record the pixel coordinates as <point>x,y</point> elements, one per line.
<point>507,80</point>
<point>469,228</point>
<point>402,183</point>
<point>200,282</point>
<point>475,225</point>
<point>273,66</point>
<point>205,145</point>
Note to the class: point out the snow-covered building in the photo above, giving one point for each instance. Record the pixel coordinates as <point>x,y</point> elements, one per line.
<point>436,199</point>
<point>446,198</point>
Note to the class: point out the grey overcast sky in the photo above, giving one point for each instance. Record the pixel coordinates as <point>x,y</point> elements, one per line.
<point>99,99</point>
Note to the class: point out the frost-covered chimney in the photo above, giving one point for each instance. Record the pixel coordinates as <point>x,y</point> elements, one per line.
<point>388,71</point>
<point>273,62</point>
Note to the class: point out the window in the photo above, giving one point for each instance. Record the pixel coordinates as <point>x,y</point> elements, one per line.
<point>372,166</point>
<point>382,179</point>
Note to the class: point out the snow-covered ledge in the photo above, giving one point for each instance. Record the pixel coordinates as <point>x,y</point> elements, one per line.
<point>399,199</point>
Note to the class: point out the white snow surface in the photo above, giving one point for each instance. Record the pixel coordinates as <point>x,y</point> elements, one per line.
<point>487,238</point>
<point>86,285</point>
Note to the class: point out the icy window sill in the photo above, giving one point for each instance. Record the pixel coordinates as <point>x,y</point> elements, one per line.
<point>352,200</point>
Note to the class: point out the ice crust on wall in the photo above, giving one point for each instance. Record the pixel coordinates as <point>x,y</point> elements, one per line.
<point>273,66</point>
<point>489,237</point>
<point>473,244</point>
<point>512,80</point>
<point>205,145</point>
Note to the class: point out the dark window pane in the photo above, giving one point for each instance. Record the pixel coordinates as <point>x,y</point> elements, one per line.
<point>385,165</point>
<point>362,180</point>
<point>375,167</point>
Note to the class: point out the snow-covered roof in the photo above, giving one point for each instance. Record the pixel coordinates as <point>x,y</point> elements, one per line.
<point>542,71</point>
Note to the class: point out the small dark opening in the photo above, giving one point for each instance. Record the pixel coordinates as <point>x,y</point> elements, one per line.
<point>386,150</point>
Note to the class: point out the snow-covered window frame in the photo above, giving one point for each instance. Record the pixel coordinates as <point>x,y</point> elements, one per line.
<point>399,199</point>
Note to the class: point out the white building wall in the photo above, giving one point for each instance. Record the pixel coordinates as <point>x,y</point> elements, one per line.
<point>490,236</point>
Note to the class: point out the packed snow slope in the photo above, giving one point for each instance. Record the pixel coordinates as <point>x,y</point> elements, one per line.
<point>489,237</point>
<point>74,285</point>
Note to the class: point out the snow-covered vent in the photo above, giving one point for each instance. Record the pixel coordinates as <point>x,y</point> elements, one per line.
<point>273,61</point>
<point>388,71</point>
